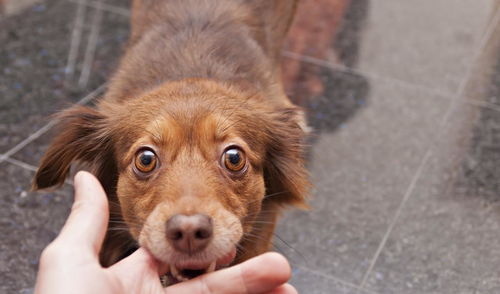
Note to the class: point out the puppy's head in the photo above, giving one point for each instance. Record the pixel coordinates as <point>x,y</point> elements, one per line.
<point>191,164</point>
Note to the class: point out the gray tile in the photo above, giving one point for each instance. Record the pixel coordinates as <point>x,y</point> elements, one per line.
<point>308,282</point>
<point>113,35</point>
<point>33,56</point>
<point>446,238</point>
<point>34,151</point>
<point>429,42</point>
<point>28,222</point>
<point>360,173</point>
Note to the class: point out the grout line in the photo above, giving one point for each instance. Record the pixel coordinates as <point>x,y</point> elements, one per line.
<point>32,168</point>
<point>345,69</point>
<point>92,95</point>
<point>336,279</point>
<point>91,46</point>
<point>76,37</point>
<point>48,126</point>
<point>104,7</point>
<point>28,140</point>
<point>406,196</point>
<point>463,84</point>
<point>22,164</point>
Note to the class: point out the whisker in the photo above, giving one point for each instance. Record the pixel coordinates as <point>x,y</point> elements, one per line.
<point>291,247</point>
<point>267,196</point>
<point>248,237</point>
<point>259,222</point>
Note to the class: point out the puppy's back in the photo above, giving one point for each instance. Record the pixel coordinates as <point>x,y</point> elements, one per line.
<point>269,19</point>
<point>229,40</point>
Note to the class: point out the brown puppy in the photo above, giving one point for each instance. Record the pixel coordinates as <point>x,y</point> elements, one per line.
<point>195,142</point>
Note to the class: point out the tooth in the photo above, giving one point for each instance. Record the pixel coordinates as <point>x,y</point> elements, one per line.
<point>211,267</point>
<point>175,272</point>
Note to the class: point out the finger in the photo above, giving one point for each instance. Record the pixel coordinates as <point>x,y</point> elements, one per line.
<point>87,223</point>
<point>140,266</point>
<point>141,260</point>
<point>260,274</point>
<point>284,289</point>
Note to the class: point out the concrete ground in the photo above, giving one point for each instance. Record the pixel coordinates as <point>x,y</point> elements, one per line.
<point>404,98</point>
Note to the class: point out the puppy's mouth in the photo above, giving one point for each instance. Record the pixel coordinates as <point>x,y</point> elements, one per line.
<point>190,269</point>
<point>181,274</point>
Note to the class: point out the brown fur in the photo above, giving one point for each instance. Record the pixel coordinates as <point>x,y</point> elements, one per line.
<point>197,76</point>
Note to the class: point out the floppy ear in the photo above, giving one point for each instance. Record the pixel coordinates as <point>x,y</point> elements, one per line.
<point>82,137</point>
<point>285,174</point>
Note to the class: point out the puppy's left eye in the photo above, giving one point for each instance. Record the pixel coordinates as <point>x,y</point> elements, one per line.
<point>146,161</point>
<point>234,159</point>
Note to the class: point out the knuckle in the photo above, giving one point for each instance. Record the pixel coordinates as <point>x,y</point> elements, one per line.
<point>49,254</point>
<point>56,254</point>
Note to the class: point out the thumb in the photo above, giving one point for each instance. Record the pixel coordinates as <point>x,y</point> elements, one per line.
<point>87,222</point>
<point>137,271</point>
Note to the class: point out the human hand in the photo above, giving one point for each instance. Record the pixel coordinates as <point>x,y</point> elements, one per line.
<point>70,264</point>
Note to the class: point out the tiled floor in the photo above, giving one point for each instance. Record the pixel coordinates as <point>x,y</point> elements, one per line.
<point>404,98</point>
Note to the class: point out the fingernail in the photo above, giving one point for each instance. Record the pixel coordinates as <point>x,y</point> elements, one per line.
<point>80,177</point>
<point>82,183</point>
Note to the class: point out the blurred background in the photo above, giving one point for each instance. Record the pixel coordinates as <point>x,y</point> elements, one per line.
<point>404,100</point>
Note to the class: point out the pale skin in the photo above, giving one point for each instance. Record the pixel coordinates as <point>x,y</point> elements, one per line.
<point>70,263</point>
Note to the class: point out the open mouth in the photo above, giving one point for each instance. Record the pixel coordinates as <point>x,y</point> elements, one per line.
<point>190,270</point>
<point>184,274</point>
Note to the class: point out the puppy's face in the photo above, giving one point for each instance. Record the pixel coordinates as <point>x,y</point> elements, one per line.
<point>191,180</point>
<point>192,165</point>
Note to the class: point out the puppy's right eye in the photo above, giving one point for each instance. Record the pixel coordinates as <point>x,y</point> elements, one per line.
<point>146,161</point>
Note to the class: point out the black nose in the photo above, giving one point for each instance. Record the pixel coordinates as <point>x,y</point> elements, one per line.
<point>189,233</point>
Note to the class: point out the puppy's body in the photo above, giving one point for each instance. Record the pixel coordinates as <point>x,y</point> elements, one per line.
<point>198,99</point>
<point>224,40</point>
